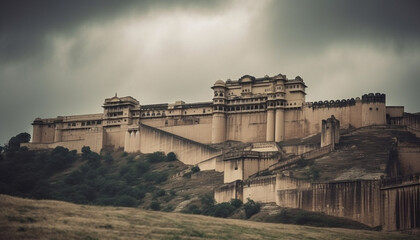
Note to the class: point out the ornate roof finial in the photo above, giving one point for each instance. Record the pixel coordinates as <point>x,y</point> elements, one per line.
<point>115,94</point>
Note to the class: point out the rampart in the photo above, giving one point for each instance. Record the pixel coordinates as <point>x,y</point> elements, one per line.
<point>393,203</point>
<point>149,139</point>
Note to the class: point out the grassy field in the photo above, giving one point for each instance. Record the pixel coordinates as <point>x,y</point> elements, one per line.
<point>42,219</point>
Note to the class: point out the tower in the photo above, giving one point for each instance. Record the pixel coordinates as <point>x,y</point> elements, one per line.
<point>218,133</point>
<point>279,106</point>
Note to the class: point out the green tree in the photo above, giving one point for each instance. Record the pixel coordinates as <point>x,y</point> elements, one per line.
<point>251,208</point>
<point>14,142</point>
<point>171,157</point>
<point>155,206</point>
<point>236,203</point>
<point>156,157</point>
<point>86,151</point>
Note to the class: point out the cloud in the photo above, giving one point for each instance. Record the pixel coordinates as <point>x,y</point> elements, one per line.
<point>64,58</point>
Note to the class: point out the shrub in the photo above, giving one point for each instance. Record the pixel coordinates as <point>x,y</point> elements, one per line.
<point>126,201</point>
<point>155,206</point>
<point>207,202</point>
<point>14,142</point>
<point>156,157</point>
<point>85,151</point>
<point>74,177</point>
<point>130,159</point>
<point>124,154</point>
<point>171,157</point>
<point>94,160</point>
<point>223,210</point>
<point>195,169</point>
<point>236,203</point>
<point>157,177</point>
<point>187,175</point>
<point>159,193</point>
<point>251,208</point>
<point>60,158</point>
<point>108,158</point>
<point>142,167</point>
<point>194,209</point>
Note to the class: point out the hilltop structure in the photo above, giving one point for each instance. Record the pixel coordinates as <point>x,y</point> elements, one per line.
<point>267,109</point>
<point>256,127</point>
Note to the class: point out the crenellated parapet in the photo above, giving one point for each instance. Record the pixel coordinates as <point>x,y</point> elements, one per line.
<point>333,103</point>
<point>373,98</point>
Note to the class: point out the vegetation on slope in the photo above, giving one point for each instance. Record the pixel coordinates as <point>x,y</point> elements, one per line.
<point>87,178</point>
<point>42,219</point>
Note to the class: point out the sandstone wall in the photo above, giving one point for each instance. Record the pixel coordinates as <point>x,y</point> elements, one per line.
<point>215,163</point>
<point>115,136</point>
<point>244,165</point>
<point>412,121</point>
<point>73,134</point>
<point>299,149</point>
<point>357,200</point>
<point>409,159</point>
<point>187,151</point>
<point>401,204</point>
<point>260,189</point>
<point>228,192</point>
<point>47,133</point>
<point>247,127</point>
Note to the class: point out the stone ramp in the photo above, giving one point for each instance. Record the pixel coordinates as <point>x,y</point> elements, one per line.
<point>188,151</point>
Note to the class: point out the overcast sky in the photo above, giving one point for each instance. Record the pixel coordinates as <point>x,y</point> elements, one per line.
<point>66,57</point>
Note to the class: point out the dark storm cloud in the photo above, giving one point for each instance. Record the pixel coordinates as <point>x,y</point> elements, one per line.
<point>24,25</point>
<point>312,25</point>
<point>65,57</point>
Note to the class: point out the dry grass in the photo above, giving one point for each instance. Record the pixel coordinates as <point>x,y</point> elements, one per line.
<point>31,219</point>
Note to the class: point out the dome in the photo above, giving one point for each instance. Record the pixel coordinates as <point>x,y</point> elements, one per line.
<point>219,83</point>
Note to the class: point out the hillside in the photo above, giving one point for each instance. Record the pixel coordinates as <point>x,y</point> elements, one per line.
<point>361,154</point>
<point>47,219</point>
<point>114,178</point>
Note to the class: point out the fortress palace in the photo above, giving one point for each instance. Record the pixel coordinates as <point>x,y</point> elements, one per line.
<point>256,130</point>
<point>267,109</point>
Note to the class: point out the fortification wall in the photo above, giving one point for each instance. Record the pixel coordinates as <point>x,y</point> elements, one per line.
<point>197,128</point>
<point>215,163</point>
<point>293,193</point>
<point>299,149</point>
<point>260,189</point>
<point>197,132</point>
<point>401,204</point>
<point>228,192</point>
<point>409,159</point>
<point>187,151</point>
<point>47,133</point>
<point>73,134</point>
<point>347,115</point>
<point>245,164</point>
<point>412,121</point>
<point>115,136</point>
<point>247,127</point>
<point>358,200</point>
<point>233,170</point>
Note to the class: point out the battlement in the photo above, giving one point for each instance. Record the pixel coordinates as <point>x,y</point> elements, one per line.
<point>372,98</point>
<point>332,103</point>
